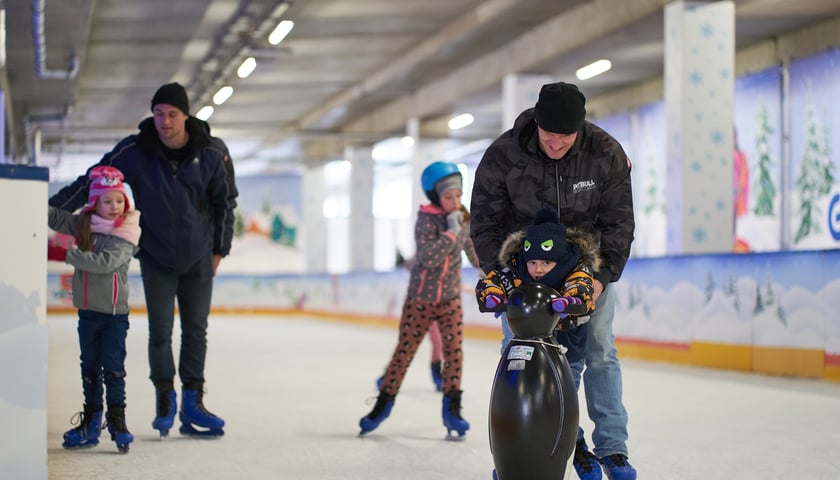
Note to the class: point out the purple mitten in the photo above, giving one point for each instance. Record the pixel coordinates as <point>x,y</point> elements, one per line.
<point>492,301</point>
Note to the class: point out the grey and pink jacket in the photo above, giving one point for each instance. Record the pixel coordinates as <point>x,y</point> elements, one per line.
<point>436,267</point>
<point>100,277</point>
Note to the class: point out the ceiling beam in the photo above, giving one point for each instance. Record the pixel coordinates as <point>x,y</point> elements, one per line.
<point>754,58</point>
<point>555,37</point>
<point>451,34</point>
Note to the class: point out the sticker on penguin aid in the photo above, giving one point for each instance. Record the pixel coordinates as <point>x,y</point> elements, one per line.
<point>516,365</point>
<point>520,352</point>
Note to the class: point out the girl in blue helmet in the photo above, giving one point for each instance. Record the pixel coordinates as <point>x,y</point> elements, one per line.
<point>434,295</point>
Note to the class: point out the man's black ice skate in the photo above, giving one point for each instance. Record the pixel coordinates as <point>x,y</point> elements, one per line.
<point>165,406</point>
<point>195,419</point>
<point>452,419</point>
<point>85,435</point>
<point>381,410</point>
<point>118,429</point>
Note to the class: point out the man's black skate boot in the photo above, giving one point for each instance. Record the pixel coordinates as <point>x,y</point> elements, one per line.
<point>193,414</point>
<point>452,419</point>
<point>86,435</point>
<point>585,462</point>
<point>381,410</point>
<point>165,406</point>
<point>118,429</point>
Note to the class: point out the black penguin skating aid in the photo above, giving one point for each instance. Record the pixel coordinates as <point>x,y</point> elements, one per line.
<point>533,404</point>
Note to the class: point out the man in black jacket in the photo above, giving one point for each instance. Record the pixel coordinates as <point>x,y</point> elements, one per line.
<point>183,183</point>
<point>552,157</point>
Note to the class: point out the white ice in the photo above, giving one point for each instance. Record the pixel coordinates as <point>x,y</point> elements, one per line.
<point>292,390</point>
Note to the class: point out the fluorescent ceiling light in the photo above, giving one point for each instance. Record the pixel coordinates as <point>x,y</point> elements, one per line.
<point>222,95</point>
<point>460,121</point>
<point>247,67</point>
<point>204,113</point>
<point>280,31</point>
<point>593,69</point>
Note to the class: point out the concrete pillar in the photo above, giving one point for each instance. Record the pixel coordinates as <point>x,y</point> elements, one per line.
<point>699,98</point>
<point>2,127</point>
<point>418,163</point>
<point>361,208</point>
<point>520,92</point>
<point>314,246</point>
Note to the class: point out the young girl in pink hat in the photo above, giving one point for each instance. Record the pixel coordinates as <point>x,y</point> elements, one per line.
<point>106,232</point>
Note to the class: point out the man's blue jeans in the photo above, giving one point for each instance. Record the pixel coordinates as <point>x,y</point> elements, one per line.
<point>601,378</point>
<point>193,288</point>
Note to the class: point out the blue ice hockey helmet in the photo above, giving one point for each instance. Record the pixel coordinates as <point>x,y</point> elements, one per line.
<point>433,174</point>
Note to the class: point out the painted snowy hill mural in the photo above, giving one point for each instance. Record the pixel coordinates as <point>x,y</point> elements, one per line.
<point>267,227</point>
<point>265,242</point>
<point>765,312</point>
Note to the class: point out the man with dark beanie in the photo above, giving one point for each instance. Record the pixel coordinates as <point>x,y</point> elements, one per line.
<point>553,157</point>
<point>183,182</point>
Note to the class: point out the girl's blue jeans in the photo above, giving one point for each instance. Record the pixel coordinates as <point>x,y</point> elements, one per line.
<point>102,346</point>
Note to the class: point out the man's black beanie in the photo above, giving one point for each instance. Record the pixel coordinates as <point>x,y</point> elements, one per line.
<point>172,94</point>
<point>560,108</point>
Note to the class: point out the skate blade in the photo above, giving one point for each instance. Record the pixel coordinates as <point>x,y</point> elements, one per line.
<point>79,447</point>
<point>461,436</point>
<point>190,431</point>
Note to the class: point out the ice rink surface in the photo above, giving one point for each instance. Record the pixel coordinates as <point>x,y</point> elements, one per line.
<point>292,390</point>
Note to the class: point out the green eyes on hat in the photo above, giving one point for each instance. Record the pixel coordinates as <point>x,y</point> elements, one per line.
<point>546,246</point>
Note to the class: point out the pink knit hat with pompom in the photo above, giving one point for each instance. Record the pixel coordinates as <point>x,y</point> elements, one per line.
<point>107,179</point>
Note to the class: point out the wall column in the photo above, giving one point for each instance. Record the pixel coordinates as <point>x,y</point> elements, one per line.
<point>314,246</point>
<point>699,99</point>
<point>361,208</point>
<point>2,127</point>
<point>520,92</point>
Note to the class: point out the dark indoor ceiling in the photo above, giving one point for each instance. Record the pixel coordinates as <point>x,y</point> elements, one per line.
<point>79,74</point>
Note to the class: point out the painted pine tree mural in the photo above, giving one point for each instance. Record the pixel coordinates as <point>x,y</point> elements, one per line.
<point>764,186</point>
<point>710,287</point>
<point>759,302</point>
<point>815,179</point>
<point>238,223</point>
<point>654,201</point>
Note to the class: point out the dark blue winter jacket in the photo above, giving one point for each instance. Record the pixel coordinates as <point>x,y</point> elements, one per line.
<point>187,207</point>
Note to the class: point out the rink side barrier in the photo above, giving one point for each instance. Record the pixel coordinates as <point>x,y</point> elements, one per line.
<point>769,313</point>
<point>24,336</point>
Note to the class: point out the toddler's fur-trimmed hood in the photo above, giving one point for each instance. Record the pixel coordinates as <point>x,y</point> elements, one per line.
<point>590,258</point>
